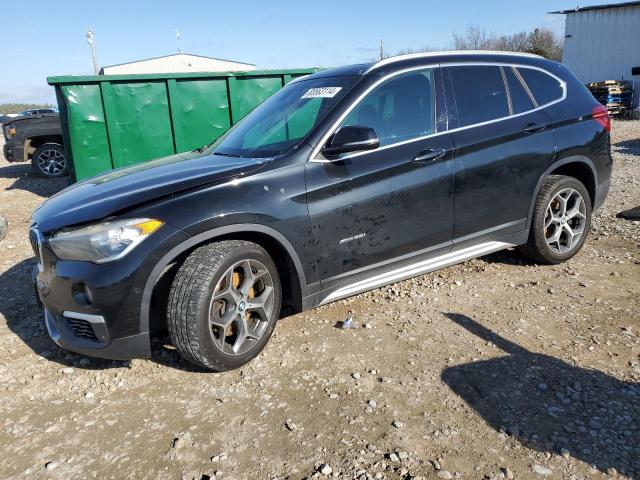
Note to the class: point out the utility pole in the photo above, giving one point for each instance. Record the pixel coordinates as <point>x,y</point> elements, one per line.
<point>92,44</point>
<point>178,37</point>
<point>381,50</point>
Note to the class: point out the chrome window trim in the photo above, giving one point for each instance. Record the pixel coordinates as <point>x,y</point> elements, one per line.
<point>316,150</point>
<point>524,85</point>
<point>345,114</point>
<point>506,89</point>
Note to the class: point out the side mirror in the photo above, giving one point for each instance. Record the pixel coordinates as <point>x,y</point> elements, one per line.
<point>351,138</point>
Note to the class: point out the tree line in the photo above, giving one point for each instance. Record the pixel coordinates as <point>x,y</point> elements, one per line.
<point>540,41</point>
<point>21,107</point>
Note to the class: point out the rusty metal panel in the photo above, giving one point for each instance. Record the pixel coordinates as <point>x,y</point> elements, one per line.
<point>138,121</point>
<point>199,110</point>
<point>87,130</point>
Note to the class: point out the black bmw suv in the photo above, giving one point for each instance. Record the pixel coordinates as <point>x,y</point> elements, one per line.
<point>343,181</point>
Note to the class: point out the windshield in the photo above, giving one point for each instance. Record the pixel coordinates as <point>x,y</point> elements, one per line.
<point>283,120</point>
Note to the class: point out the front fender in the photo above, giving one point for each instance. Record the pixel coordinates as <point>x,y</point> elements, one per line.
<point>201,238</point>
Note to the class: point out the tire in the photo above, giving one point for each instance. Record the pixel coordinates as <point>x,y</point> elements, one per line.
<point>558,228</point>
<point>211,288</point>
<point>49,161</point>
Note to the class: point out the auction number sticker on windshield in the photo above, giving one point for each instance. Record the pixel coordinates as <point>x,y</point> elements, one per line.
<point>322,92</point>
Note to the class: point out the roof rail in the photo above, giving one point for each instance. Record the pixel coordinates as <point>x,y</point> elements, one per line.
<point>409,56</point>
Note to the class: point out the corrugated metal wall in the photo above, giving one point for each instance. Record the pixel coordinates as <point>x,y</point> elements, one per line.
<point>604,45</point>
<point>179,63</point>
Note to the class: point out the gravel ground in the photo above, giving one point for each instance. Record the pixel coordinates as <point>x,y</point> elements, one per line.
<point>495,368</point>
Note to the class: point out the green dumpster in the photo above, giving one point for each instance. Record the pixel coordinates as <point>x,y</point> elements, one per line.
<point>109,121</point>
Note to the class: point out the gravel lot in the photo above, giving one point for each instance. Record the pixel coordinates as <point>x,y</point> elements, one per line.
<point>496,368</point>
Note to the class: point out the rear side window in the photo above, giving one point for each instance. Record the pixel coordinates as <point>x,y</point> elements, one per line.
<point>520,100</point>
<point>544,87</point>
<point>480,93</point>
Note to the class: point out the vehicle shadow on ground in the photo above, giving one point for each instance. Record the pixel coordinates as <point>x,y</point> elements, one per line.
<point>25,179</point>
<point>548,404</point>
<point>629,147</point>
<point>25,318</point>
<point>508,257</point>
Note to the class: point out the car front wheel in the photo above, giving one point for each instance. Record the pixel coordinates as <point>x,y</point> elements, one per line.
<point>223,304</point>
<point>560,222</point>
<point>49,161</point>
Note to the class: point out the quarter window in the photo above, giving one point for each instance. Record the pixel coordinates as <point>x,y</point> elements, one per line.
<point>544,87</point>
<point>480,93</point>
<point>399,109</point>
<point>520,99</point>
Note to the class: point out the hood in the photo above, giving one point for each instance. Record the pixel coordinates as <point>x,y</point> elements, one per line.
<point>22,118</point>
<point>103,195</point>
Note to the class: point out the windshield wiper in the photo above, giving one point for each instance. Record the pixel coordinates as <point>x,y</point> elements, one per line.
<point>204,147</point>
<point>222,154</point>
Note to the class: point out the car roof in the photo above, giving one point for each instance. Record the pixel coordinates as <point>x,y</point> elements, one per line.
<point>454,55</point>
<point>398,62</point>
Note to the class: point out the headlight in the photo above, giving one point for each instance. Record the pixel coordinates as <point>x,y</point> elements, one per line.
<point>11,131</point>
<point>103,242</point>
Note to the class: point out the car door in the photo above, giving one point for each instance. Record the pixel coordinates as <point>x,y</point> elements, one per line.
<point>503,142</point>
<point>369,210</point>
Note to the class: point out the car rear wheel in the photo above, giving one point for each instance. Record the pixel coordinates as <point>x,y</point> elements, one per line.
<point>49,161</point>
<point>560,222</point>
<point>223,304</point>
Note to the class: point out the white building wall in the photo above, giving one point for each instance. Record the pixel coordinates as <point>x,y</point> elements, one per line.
<point>179,63</point>
<point>604,44</point>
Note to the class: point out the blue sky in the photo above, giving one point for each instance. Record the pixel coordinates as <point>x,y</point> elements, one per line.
<point>45,37</point>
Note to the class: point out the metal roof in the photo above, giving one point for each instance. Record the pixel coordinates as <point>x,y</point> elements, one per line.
<point>175,55</point>
<point>598,7</point>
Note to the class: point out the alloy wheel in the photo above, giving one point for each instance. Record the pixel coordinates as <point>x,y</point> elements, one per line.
<point>564,221</point>
<point>241,306</point>
<point>51,162</point>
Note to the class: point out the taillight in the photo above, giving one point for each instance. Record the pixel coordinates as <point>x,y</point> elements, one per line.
<point>601,116</point>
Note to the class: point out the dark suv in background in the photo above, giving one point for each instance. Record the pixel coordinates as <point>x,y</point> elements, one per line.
<point>343,181</point>
<point>36,135</point>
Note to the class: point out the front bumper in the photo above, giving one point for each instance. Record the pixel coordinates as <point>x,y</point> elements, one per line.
<point>95,309</point>
<point>71,335</point>
<point>14,152</point>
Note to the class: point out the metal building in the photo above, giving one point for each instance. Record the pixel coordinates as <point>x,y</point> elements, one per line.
<point>177,63</point>
<point>602,42</point>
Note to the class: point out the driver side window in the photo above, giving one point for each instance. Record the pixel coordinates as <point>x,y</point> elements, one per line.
<point>400,109</point>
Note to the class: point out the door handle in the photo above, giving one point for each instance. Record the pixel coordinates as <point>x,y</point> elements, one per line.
<point>429,155</point>
<point>534,127</point>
